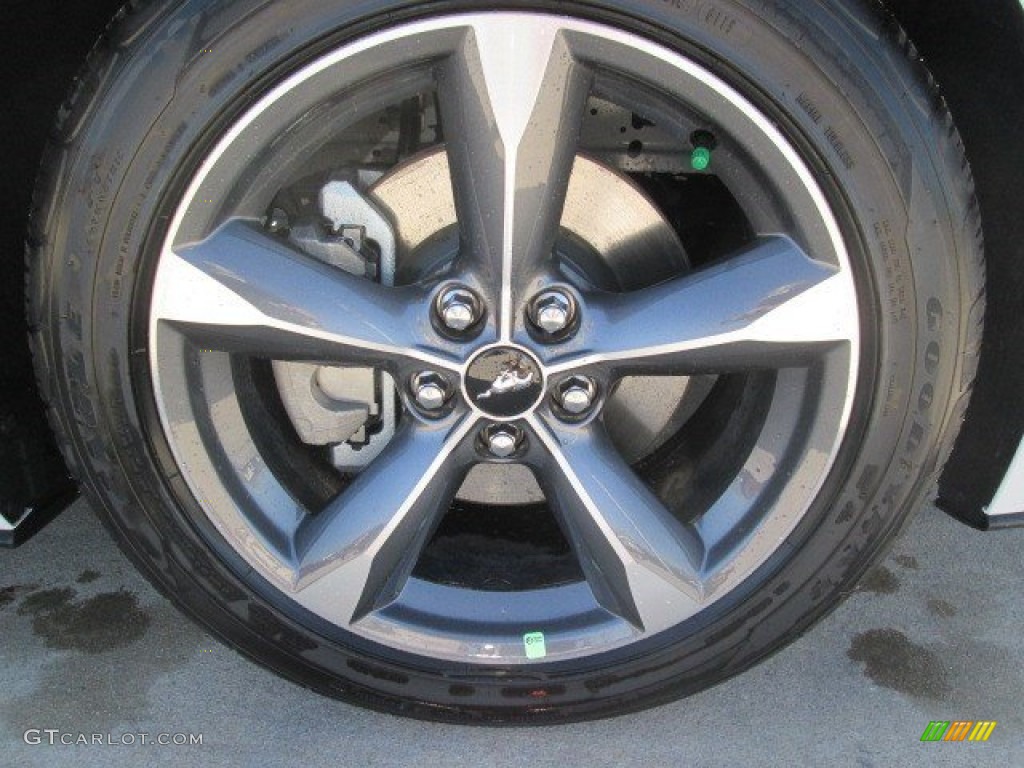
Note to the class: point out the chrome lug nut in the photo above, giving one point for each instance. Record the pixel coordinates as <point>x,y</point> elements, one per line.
<point>459,309</point>
<point>552,311</point>
<point>503,440</point>
<point>576,400</point>
<point>576,395</point>
<point>430,390</point>
<point>430,397</point>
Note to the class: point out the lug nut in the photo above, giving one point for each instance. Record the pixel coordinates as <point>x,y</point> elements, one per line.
<point>576,400</point>
<point>503,440</point>
<point>431,390</point>
<point>552,312</point>
<point>430,396</point>
<point>576,395</point>
<point>458,308</point>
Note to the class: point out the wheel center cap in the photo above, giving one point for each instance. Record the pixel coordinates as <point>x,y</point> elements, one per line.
<point>504,382</point>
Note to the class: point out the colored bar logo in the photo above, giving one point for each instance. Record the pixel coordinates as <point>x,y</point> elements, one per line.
<point>958,730</point>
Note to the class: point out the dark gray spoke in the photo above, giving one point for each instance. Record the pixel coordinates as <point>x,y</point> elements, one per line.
<point>357,554</point>
<point>770,306</point>
<point>241,290</point>
<point>641,563</point>
<point>512,101</point>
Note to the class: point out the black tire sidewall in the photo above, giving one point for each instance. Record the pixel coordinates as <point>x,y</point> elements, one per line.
<point>856,110</point>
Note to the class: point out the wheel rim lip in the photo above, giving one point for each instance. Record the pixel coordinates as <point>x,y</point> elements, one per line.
<point>449,22</point>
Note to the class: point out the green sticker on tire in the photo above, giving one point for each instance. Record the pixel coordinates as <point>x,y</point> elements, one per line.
<point>535,646</point>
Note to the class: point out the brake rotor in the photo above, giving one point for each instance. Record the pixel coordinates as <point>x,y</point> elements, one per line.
<point>604,210</point>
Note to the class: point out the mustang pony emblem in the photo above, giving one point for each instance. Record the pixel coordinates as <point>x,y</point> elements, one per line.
<point>515,376</point>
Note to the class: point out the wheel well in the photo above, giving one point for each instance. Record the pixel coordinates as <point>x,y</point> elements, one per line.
<point>44,46</point>
<point>975,50</point>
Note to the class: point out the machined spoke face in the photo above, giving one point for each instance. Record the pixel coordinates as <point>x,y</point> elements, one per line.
<point>641,563</point>
<point>241,290</point>
<point>356,555</point>
<point>767,307</point>
<point>512,100</point>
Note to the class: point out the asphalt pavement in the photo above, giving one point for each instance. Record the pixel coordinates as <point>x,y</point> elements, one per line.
<point>933,633</point>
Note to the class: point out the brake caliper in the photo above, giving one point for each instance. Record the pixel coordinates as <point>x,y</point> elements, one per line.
<point>352,410</point>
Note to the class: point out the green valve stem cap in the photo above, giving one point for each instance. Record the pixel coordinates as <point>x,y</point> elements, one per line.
<point>700,159</point>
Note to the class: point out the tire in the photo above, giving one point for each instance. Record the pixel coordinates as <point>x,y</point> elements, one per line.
<point>838,89</point>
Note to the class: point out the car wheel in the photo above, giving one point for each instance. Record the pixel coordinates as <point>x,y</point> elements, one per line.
<point>507,366</point>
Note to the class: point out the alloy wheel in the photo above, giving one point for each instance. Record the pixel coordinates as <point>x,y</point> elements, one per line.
<point>495,330</point>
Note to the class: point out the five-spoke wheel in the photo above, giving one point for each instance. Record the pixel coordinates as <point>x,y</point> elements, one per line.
<point>503,353</point>
<point>526,364</point>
